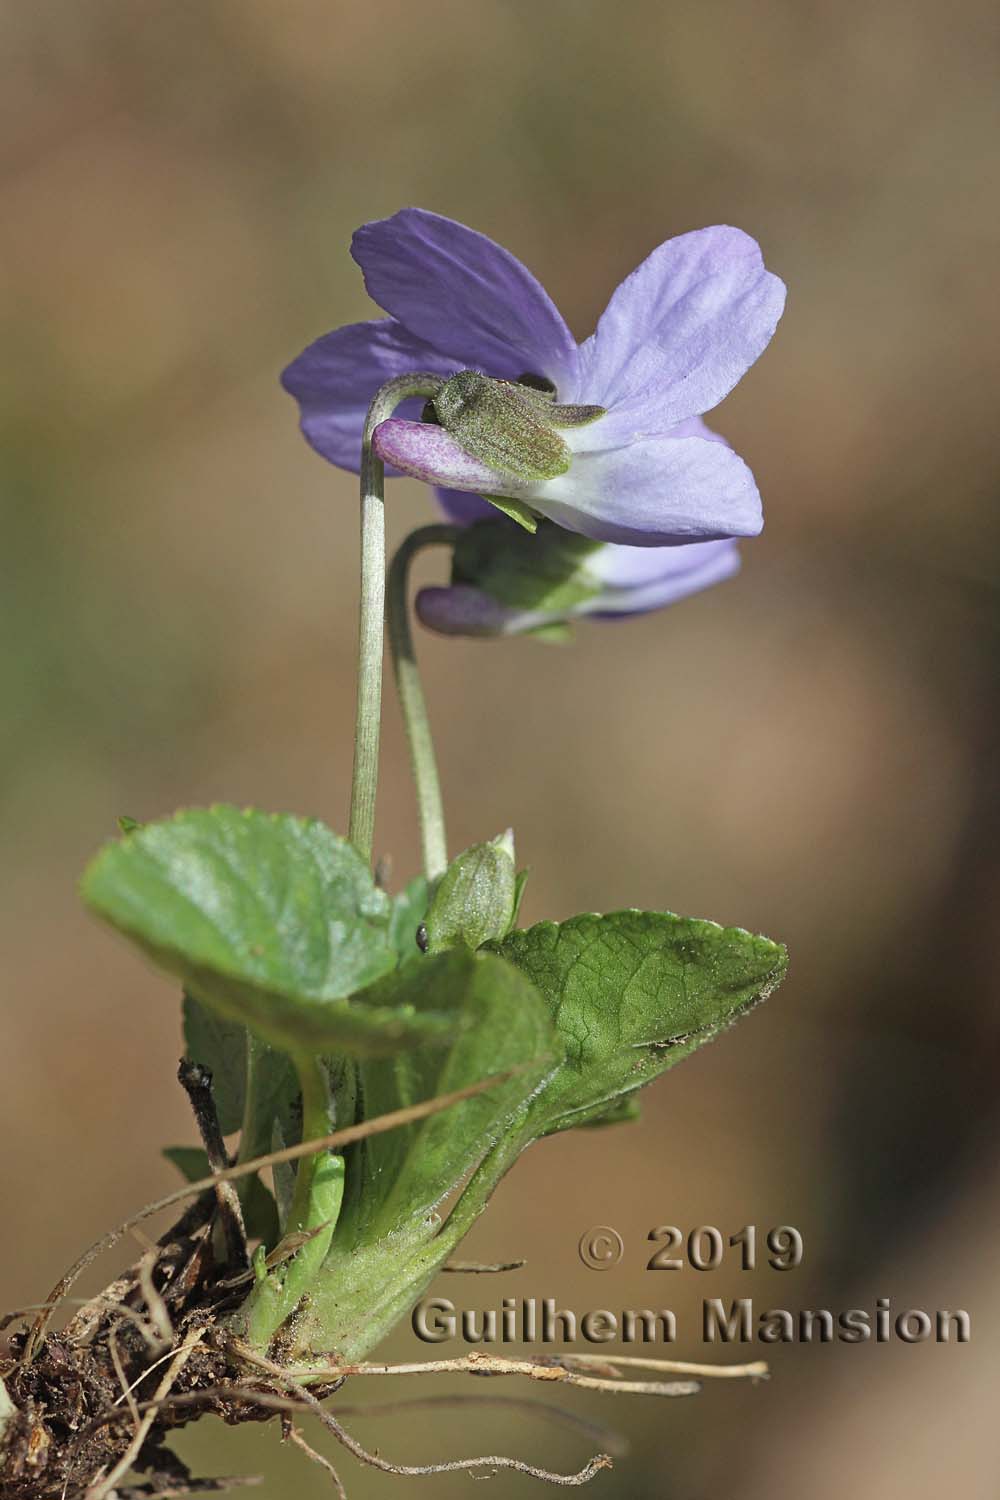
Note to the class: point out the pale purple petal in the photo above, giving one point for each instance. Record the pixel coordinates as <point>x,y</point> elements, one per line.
<point>428,452</point>
<point>680,332</point>
<point>465,294</point>
<point>601,434</point>
<point>465,509</point>
<point>335,379</point>
<point>656,492</point>
<point>638,579</point>
<point>461,609</point>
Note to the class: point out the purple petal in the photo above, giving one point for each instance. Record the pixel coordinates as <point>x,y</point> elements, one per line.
<point>465,509</point>
<point>461,609</point>
<point>654,493</point>
<point>335,379</point>
<point>638,579</point>
<point>680,332</point>
<point>462,293</point>
<point>428,452</point>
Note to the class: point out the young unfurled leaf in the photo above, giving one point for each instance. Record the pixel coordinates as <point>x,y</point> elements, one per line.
<point>632,993</point>
<point>270,920</point>
<point>476,898</point>
<point>546,575</point>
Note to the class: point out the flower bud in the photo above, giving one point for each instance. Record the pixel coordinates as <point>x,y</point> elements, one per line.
<point>511,427</point>
<point>504,582</point>
<point>476,900</point>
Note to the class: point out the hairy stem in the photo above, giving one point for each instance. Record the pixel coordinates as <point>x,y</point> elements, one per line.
<point>411,698</point>
<point>371,610</point>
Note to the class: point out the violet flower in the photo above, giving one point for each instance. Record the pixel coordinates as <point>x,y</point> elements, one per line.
<point>506,582</point>
<point>677,335</point>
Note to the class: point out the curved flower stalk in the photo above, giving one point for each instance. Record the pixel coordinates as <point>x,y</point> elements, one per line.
<point>638,466</point>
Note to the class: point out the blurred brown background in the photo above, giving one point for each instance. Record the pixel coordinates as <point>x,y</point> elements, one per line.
<point>805,751</point>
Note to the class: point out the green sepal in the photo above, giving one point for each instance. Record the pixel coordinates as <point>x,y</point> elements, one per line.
<point>544,575</point>
<point>556,634</point>
<point>575,416</point>
<point>515,510</point>
<point>503,424</point>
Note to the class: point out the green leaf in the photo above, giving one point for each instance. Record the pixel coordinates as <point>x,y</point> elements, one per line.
<point>632,993</point>
<point>260,1216</point>
<point>408,1170</point>
<point>269,919</point>
<point>221,1045</point>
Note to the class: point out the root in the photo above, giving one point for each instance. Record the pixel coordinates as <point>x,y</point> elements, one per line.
<point>606,1374</point>
<point>450,1466</point>
<point>103,1487</point>
<point>292,1435</point>
<point>81,1409</point>
<point>474,1268</point>
<point>336,1140</point>
<point>542,1411</point>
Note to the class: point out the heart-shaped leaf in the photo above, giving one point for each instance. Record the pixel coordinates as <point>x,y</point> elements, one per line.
<point>631,993</point>
<point>271,920</point>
